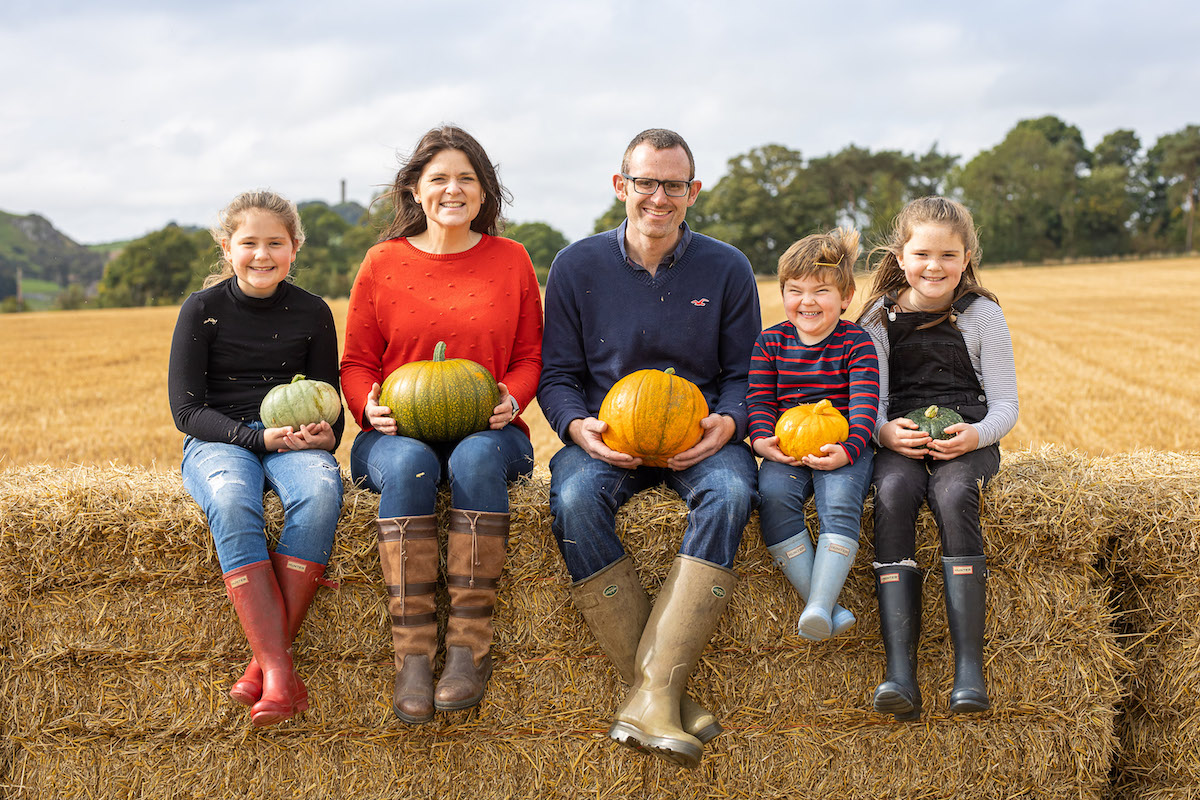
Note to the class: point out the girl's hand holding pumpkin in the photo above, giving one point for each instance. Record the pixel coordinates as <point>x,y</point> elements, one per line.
<point>835,457</point>
<point>588,434</point>
<point>964,440</point>
<point>379,417</point>
<point>317,436</point>
<point>274,439</point>
<point>903,436</point>
<point>505,410</point>
<point>718,430</point>
<point>768,447</point>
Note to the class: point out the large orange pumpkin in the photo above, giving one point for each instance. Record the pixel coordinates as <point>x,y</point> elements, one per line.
<point>653,415</point>
<point>440,400</point>
<point>802,430</point>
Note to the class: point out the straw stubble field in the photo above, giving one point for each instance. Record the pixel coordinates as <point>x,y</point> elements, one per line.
<point>1106,359</point>
<point>118,646</point>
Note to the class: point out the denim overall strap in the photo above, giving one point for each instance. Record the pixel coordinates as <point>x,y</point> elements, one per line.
<point>931,366</point>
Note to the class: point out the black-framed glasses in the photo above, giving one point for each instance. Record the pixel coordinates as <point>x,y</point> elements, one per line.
<point>650,186</point>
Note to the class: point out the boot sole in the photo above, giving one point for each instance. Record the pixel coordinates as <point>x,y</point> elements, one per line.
<point>409,719</point>
<point>896,703</point>
<point>680,753</point>
<point>970,705</point>
<point>708,732</point>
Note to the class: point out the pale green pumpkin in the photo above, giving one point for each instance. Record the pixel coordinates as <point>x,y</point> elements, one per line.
<point>301,402</point>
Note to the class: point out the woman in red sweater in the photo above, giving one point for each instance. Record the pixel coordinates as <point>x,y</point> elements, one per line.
<point>441,274</point>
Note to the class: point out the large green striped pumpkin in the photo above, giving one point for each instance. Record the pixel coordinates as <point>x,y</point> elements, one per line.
<point>440,400</point>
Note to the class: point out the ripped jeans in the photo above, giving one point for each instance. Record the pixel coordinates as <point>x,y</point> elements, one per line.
<point>228,481</point>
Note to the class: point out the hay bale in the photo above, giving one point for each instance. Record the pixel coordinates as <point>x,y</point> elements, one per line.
<point>121,648</point>
<point>1153,507</point>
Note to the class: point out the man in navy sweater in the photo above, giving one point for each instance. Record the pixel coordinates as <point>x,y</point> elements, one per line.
<point>651,294</point>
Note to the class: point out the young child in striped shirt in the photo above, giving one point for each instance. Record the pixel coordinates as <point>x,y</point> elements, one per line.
<point>815,355</point>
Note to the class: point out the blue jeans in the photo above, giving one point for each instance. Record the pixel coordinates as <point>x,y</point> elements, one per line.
<point>585,494</point>
<point>406,472</point>
<point>228,481</point>
<point>839,497</point>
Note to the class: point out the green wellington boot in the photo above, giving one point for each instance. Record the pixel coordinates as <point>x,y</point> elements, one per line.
<point>615,607</point>
<point>687,610</point>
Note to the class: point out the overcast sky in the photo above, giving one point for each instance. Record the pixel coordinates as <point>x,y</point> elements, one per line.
<point>118,117</point>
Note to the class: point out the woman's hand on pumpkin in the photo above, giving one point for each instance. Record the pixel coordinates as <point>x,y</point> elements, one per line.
<point>316,436</point>
<point>504,412</point>
<point>902,435</point>
<point>379,417</point>
<point>965,439</point>
<point>835,457</point>
<point>588,434</point>
<point>768,447</point>
<point>275,439</point>
<point>718,430</point>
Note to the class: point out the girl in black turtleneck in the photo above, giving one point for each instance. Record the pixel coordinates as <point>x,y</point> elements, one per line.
<point>246,332</point>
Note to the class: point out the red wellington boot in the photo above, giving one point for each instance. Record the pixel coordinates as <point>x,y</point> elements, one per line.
<point>298,581</point>
<point>256,598</point>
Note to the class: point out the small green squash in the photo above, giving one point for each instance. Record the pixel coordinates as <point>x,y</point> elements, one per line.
<point>301,402</point>
<point>934,420</point>
<point>440,400</point>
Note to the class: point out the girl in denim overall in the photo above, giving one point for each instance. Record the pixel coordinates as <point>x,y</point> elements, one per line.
<point>942,341</point>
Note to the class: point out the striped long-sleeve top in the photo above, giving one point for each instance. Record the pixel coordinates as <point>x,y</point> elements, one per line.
<point>843,369</point>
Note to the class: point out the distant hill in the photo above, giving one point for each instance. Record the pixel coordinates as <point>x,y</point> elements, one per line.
<point>43,254</point>
<point>352,212</point>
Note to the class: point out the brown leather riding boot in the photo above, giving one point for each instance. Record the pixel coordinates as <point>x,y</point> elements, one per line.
<point>408,557</point>
<point>615,607</point>
<point>474,560</point>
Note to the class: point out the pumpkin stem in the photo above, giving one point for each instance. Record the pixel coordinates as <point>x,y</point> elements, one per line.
<point>298,378</point>
<point>669,370</point>
<point>439,352</point>
<point>931,412</point>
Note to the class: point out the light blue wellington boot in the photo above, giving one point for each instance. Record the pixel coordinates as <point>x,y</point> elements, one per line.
<point>831,565</point>
<point>794,557</point>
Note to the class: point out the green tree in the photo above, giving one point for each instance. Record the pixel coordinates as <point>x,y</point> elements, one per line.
<point>762,205</point>
<point>71,298</point>
<point>159,268</point>
<point>1181,168</point>
<point>1022,192</point>
<point>613,216</point>
<point>540,240</point>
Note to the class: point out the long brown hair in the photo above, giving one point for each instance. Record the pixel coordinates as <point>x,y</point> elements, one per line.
<point>887,276</point>
<point>231,216</point>
<point>409,217</point>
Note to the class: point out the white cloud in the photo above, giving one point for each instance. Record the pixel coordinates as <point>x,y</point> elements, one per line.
<point>119,117</point>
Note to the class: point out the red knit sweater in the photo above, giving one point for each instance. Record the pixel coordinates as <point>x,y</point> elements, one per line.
<point>483,303</point>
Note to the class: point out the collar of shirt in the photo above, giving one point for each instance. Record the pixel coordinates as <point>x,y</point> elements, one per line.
<point>671,257</point>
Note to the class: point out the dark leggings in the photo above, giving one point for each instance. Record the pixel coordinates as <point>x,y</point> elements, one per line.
<point>952,489</point>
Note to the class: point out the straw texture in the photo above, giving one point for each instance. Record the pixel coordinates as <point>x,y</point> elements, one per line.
<point>119,647</point>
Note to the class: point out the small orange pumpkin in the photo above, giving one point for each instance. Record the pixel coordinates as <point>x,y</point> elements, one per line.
<point>652,415</point>
<point>802,430</point>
